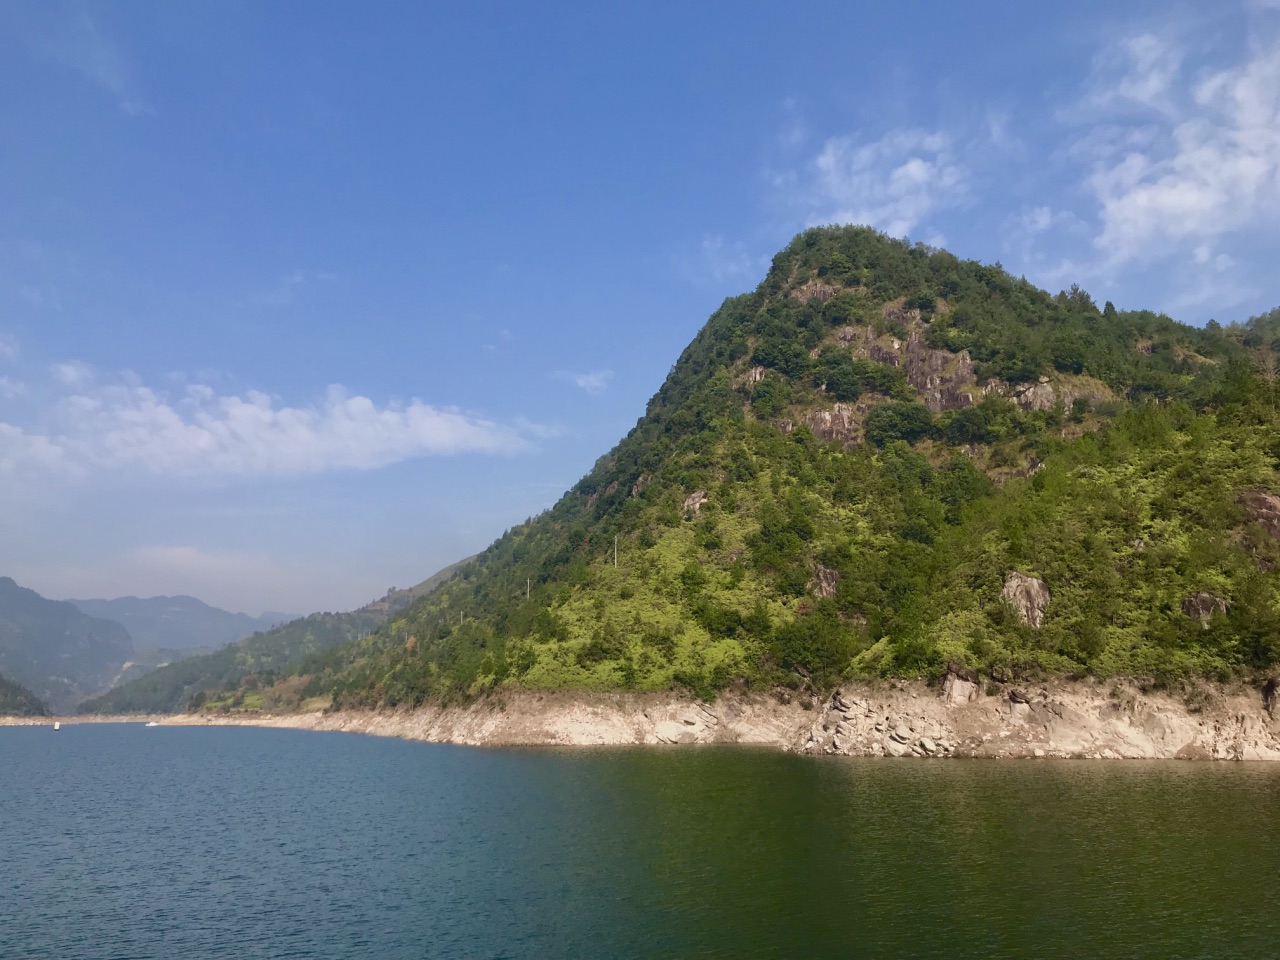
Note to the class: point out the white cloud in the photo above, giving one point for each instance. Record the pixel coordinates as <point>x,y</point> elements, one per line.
<point>1149,71</point>
<point>1206,167</point>
<point>126,425</point>
<point>23,451</point>
<point>10,388</point>
<point>72,373</point>
<point>894,183</point>
<point>1025,228</point>
<point>593,382</point>
<point>8,347</point>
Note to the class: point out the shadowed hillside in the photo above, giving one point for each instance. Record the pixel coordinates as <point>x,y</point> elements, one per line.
<point>17,701</point>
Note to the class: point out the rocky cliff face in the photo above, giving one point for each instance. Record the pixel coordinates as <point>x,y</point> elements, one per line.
<point>942,380</point>
<point>1049,392</point>
<point>842,422</point>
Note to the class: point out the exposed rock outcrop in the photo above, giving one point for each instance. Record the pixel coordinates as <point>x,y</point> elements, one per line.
<point>1028,596</point>
<point>1264,509</point>
<point>1060,720</point>
<point>885,353</point>
<point>1202,606</point>
<point>945,380</point>
<point>841,422</point>
<point>815,289</point>
<point>957,687</point>
<point>693,503</point>
<point>825,582</point>
<point>1047,393</point>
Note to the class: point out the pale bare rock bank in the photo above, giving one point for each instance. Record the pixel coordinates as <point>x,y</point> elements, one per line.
<point>957,718</point>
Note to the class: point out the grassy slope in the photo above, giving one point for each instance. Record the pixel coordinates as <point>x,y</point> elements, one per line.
<point>1122,496</point>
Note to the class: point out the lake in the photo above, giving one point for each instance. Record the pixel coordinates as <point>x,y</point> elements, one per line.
<point>120,841</point>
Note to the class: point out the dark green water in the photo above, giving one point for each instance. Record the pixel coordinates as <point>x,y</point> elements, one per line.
<point>127,842</point>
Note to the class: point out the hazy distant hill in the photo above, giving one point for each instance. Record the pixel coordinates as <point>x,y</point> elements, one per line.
<point>178,623</point>
<point>56,651</point>
<point>17,701</point>
<point>256,660</point>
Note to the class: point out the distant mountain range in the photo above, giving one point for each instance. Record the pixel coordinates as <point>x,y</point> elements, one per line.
<point>179,623</point>
<point>141,655</point>
<point>56,653</point>
<point>59,653</point>
<point>236,671</point>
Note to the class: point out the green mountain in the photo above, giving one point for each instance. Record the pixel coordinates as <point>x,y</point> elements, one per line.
<point>58,653</point>
<point>17,701</point>
<point>237,674</point>
<point>886,461</point>
<point>178,623</point>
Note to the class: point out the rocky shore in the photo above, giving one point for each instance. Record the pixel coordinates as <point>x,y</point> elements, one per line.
<point>958,718</point>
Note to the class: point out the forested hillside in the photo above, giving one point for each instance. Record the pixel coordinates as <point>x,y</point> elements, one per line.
<point>882,462</point>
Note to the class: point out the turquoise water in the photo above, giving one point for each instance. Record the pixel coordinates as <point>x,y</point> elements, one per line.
<point>128,842</point>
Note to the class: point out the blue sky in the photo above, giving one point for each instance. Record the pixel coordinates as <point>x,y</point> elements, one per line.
<point>300,301</point>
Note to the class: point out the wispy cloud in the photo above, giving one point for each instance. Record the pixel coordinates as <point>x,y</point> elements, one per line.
<point>593,382</point>
<point>72,373</point>
<point>1205,166</point>
<point>8,347</point>
<point>894,183</point>
<point>1137,72</point>
<point>721,261</point>
<point>76,41</point>
<point>10,388</point>
<point>123,424</point>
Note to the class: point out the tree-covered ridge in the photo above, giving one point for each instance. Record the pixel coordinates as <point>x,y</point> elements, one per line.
<point>17,701</point>
<point>838,476</point>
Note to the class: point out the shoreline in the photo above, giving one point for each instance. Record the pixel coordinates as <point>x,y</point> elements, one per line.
<point>1080,720</point>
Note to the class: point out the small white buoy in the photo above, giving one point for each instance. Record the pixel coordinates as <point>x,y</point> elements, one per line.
<point>57,725</point>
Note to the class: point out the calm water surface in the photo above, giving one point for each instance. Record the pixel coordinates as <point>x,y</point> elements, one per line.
<point>128,842</point>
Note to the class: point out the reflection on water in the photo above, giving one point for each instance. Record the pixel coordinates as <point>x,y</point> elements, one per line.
<point>127,842</point>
